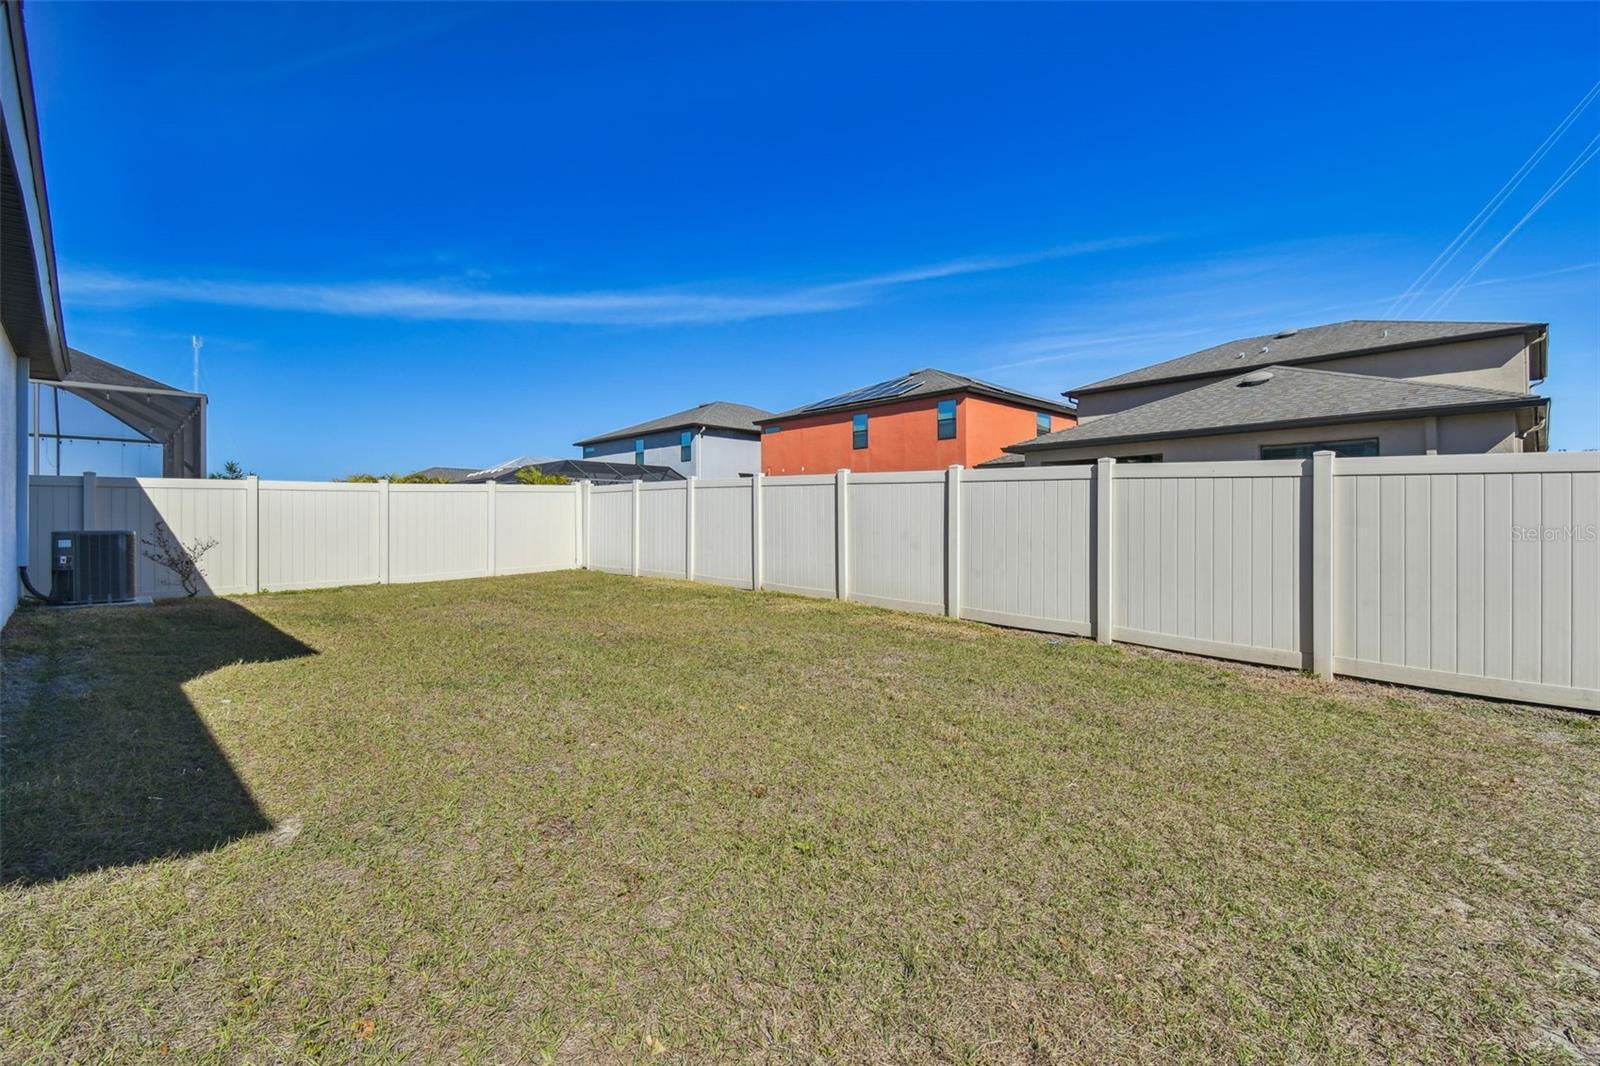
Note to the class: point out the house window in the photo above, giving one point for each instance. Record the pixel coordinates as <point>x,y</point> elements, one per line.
<point>1041,424</point>
<point>1347,449</point>
<point>770,429</point>
<point>638,452</point>
<point>588,451</point>
<point>1152,457</point>
<point>685,446</point>
<point>858,431</point>
<point>947,420</point>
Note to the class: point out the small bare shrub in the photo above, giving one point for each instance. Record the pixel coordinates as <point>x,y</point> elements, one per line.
<point>182,559</point>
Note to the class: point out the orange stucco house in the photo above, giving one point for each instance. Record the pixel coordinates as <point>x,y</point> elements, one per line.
<point>924,420</point>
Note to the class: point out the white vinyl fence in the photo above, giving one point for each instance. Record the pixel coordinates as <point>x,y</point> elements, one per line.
<point>274,535</point>
<point>1477,574</point>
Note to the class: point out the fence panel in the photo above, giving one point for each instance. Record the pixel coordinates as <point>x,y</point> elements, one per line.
<point>1477,573</point>
<point>799,527</point>
<point>662,529</point>
<point>535,528</point>
<point>722,533</point>
<point>1025,548</point>
<point>54,503</point>
<point>319,535</point>
<point>897,540</point>
<point>438,532</point>
<point>1213,558</point>
<point>192,510</point>
<point>611,528</point>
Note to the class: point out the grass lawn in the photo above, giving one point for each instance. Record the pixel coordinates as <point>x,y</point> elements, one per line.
<point>576,817</point>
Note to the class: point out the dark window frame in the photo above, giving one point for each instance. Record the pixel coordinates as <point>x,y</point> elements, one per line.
<point>946,419</point>
<point>638,451</point>
<point>1148,457</point>
<point>686,446</point>
<point>859,431</point>
<point>1304,449</point>
<point>1042,423</point>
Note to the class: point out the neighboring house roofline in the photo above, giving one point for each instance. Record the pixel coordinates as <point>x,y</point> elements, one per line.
<point>1392,399</point>
<point>31,211</point>
<point>1292,423</point>
<point>1538,334</point>
<point>958,385</point>
<point>716,414</point>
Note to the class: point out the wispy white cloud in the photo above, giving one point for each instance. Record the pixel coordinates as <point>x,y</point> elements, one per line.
<point>1138,319</point>
<point>439,300</point>
<point>1150,315</point>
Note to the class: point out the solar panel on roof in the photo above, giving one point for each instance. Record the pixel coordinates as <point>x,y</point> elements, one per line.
<point>880,391</point>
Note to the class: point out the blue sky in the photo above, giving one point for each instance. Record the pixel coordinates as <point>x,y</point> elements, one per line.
<point>425,234</point>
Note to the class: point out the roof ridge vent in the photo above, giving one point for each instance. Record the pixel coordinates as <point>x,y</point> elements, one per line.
<point>1255,377</point>
<point>1285,333</point>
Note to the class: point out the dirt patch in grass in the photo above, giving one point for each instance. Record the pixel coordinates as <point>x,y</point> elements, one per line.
<point>580,817</point>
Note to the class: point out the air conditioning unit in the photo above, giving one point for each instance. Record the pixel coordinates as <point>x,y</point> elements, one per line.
<point>96,566</point>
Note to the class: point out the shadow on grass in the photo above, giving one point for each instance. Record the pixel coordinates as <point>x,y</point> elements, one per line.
<point>106,762</point>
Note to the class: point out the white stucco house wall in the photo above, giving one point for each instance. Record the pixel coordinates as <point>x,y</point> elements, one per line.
<point>32,339</point>
<point>717,439</point>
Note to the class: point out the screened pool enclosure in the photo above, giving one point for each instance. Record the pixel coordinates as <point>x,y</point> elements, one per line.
<point>114,422</point>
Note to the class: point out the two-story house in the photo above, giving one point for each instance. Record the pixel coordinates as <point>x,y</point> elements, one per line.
<point>924,420</point>
<point>1355,388</point>
<point>717,439</point>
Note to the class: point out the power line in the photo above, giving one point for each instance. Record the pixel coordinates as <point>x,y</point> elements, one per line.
<point>1487,211</point>
<point>1590,150</point>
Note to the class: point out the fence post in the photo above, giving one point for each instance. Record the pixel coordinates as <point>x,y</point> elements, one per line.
<point>1322,564</point>
<point>588,522</point>
<point>1105,472</point>
<point>841,520</point>
<point>580,533</point>
<point>635,498</point>
<point>91,517</point>
<point>490,566</point>
<point>952,541</point>
<point>756,560</point>
<point>252,534</point>
<point>383,531</point>
<point>688,529</point>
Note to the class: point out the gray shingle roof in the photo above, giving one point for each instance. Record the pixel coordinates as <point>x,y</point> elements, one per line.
<point>597,471</point>
<point>89,370</point>
<point>1291,396</point>
<point>1001,461</point>
<point>925,382</point>
<point>449,473</point>
<point>718,414</point>
<point>1308,345</point>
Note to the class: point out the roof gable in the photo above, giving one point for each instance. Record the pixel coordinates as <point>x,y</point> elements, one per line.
<point>718,414</point>
<point>916,384</point>
<point>1313,343</point>
<point>1288,395</point>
